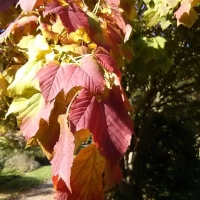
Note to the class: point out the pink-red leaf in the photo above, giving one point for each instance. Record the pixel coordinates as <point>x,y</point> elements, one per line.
<point>53,77</point>
<point>118,17</point>
<point>186,15</point>
<point>61,195</point>
<point>71,16</point>
<point>31,122</point>
<point>48,133</point>
<point>64,149</point>
<point>50,78</point>
<point>119,125</point>
<point>20,23</point>
<point>107,120</point>
<point>87,75</point>
<point>83,111</point>
<point>62,192</point>
<point>104,58</point>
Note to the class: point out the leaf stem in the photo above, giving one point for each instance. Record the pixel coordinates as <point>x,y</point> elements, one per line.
<point>73,59</point>
<point>96,7</point>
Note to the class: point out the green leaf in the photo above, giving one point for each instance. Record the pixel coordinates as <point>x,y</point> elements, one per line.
<point>94,22</point>
<point>161,41</point>
<point>164,23</point>
<point>151,17</point>
<point>147,54</point>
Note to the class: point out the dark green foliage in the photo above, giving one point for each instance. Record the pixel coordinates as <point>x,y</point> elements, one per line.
<point>163,85</point>
<point>172,166</point>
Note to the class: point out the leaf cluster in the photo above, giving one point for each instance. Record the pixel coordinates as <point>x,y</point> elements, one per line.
<point>60,64</point>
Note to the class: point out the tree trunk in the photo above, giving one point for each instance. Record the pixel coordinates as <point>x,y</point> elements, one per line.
<point>132,164</point>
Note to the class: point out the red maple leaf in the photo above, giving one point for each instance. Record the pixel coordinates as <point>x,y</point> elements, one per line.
<point>82,112</point>
<point>61,195</point>
<point>50,78</point>
<point>87,75</point>
<point>71,15</point>
<point>104,58</point>
<point>55,77</point>
<point>107,120</point>
<point>117,16</point>
<point>64,149</point>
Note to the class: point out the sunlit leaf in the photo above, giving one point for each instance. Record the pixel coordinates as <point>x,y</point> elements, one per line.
<point>186,15</point>
<point>37,47</point>
<point>74,48</point>
<point>90,73</point>
<point>24,77</point>
<point>104,58</point>
<point>86,177</point>
<point>50,78</point>
<point>28,5</point>
<point>111,127</point>
<point>71,16</point>
<point>64,149</point>
<point>31,109</point>
<point>48,133</point>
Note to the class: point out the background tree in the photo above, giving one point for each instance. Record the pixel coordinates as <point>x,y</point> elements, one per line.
<point>160,71</point>
<point>162,82</point>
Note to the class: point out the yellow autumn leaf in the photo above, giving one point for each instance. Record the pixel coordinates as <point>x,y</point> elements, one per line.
<point>112,176</point>
<point>10,72</point>
<point>21,103</point>
<point>48,33</point>
<point>80,35</point>
<point>86,175</point>
<point>25,78</point>
<point>36,47</point>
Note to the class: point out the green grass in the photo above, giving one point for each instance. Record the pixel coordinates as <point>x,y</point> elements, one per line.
<point>13,183</point>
